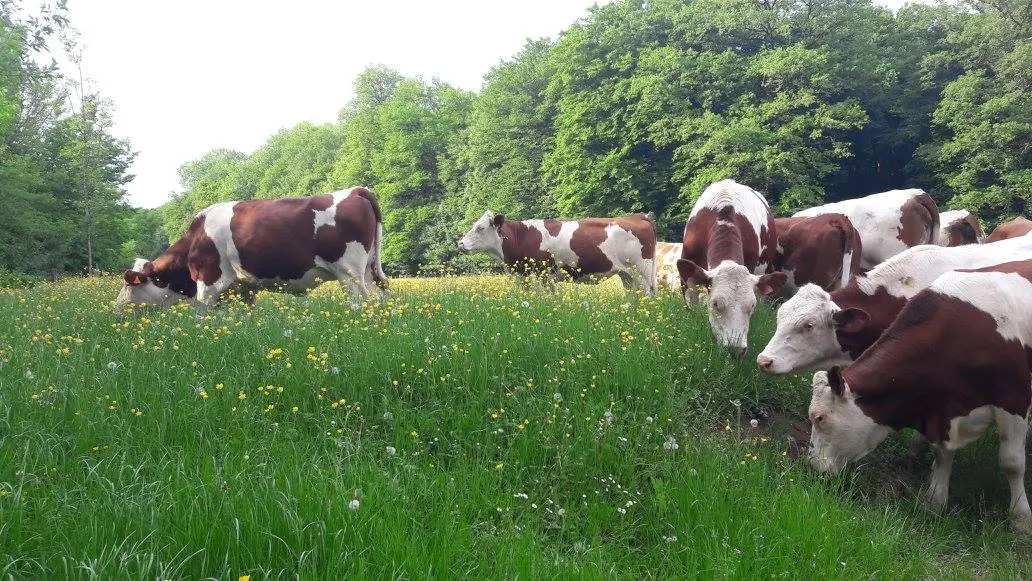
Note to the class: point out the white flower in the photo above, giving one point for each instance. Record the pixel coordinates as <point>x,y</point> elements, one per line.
<point>533,505</point>
<point>388,416</point>
<point>558,397</point>
<point>561,512</point>
<point>335,371</point>
<point>621,510</point>
<point>584,304</point>
<point>353,505</point>
<point>112,365</point>
<point>288,333</point>
<point>525,304</point>
<point>520,495</point>
<point>670,539</point>
<point>608,417</point>
<point>649,419</point>
<point>391,450</point>
<point>670,444</point>
<point>29,374</point>
<point>754,423</point>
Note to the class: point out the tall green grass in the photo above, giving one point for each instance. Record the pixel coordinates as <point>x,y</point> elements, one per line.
<point>464,429</point>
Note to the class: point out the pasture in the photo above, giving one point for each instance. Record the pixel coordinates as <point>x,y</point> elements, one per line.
<point>466,428</point>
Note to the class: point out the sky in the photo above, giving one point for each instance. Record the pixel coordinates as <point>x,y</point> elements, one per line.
<point>190,76</point>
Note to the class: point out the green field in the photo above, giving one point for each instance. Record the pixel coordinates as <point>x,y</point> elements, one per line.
<point>464,429</point>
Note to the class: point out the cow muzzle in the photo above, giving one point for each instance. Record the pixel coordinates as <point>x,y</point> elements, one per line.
<point>765,363</point>
<point>737,350</point>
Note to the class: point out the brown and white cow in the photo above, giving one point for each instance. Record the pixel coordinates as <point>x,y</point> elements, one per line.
<point>667,255</point>
<point>290,243</point>
<point>816,330</point>
<point>888,222</point>
<point>729,245</point>
<point>581,250</point>
<point>823,250</point>
<point>957,227</point>
<point>1017,227</point>
<point>956,359</point>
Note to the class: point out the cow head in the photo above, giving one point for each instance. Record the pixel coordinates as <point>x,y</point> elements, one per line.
<point>805,338</point>
<point>484,235</point>
<point>840,431</point>
<point>142,287</point>
<point>731,297</point>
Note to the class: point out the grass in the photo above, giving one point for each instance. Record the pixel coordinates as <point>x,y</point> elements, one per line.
<point>464,429</point>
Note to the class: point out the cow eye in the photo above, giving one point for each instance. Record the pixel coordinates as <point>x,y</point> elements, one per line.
<point>808,326</point>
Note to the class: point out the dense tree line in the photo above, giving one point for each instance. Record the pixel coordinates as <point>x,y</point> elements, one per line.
<point>61,169</point>
<point>636,108</point>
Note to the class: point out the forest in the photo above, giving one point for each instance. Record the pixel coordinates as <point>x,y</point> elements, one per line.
<point>634,108</point>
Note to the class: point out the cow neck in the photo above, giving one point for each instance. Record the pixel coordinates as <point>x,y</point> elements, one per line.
<point>171,269</point>
<point>725,241</point>
<point>519,241</point>
<point>879,305</point>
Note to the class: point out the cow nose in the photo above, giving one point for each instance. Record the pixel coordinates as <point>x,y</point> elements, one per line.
<point>765,363</point>
<point>738,352</point>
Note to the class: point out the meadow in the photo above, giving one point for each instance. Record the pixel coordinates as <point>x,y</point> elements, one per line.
<point>464,429</point>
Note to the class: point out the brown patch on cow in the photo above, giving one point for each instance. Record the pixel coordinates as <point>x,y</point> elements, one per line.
<point>521,248</point>
<point>274,237</point>
<point>351,224</point>
<point>644,229</point>
<point>712,237</point>
<point>881,308</point>
<point>919,221</point>
<point>941,359</point>
<point>553,227</point>
<point>965,230</point>
<point>203,260</point>
<point>585,243</point>
<point>813,249</point>
<point>1017,227</point>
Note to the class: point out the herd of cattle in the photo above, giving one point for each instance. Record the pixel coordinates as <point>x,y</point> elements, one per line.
<point>909,317</point>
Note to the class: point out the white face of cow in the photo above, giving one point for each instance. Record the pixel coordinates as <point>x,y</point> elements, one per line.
<point>139,288</point>
<point>840,431</point>
<point>484,236</point>
<point>805,336</point>
<point>732,298</point>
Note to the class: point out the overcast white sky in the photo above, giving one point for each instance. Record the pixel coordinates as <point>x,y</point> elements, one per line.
<point>193,75</point>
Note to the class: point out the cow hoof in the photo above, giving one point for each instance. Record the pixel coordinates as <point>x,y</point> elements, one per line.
<point>1022,525</point>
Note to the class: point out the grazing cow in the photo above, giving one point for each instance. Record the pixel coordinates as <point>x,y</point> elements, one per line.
<point>289,243</point>
<point>816,330</point>
<point>957,227</point>
<point>1016,227</point>
<point>581,250</point>
<point>729,246</point>
<point>823,250</point>
<point>667,254</point>
<point>956,359</point>
<point>889,222</point>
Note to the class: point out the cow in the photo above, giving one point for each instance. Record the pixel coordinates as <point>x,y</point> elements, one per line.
<point>729,246</point>
<point>584,250</point>
<point>290,244</point>
<point>823,250</point>
<point>1017,227</point>
<point>667,254</point>
<point>816,330</point>
<point>956,360</point>
<point>888,222</point>
<point>958,227</point>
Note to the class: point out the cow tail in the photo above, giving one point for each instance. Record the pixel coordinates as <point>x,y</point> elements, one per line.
<point>847,246</point>
<point>932,208</point>
<point>375,266</point>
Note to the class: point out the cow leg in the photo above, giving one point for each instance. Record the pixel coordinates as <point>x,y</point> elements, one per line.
<point>939,488</point>
<point>1013,431</point>
<point>383,287</point>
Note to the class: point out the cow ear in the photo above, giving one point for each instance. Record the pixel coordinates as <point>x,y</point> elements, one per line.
<point>498,220</point>
<point>148,269</point>
<point>850,320</point>
<point>691,272</point>
<point>769,284</point>
<point>133,278</point>
<point>835,381</point>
